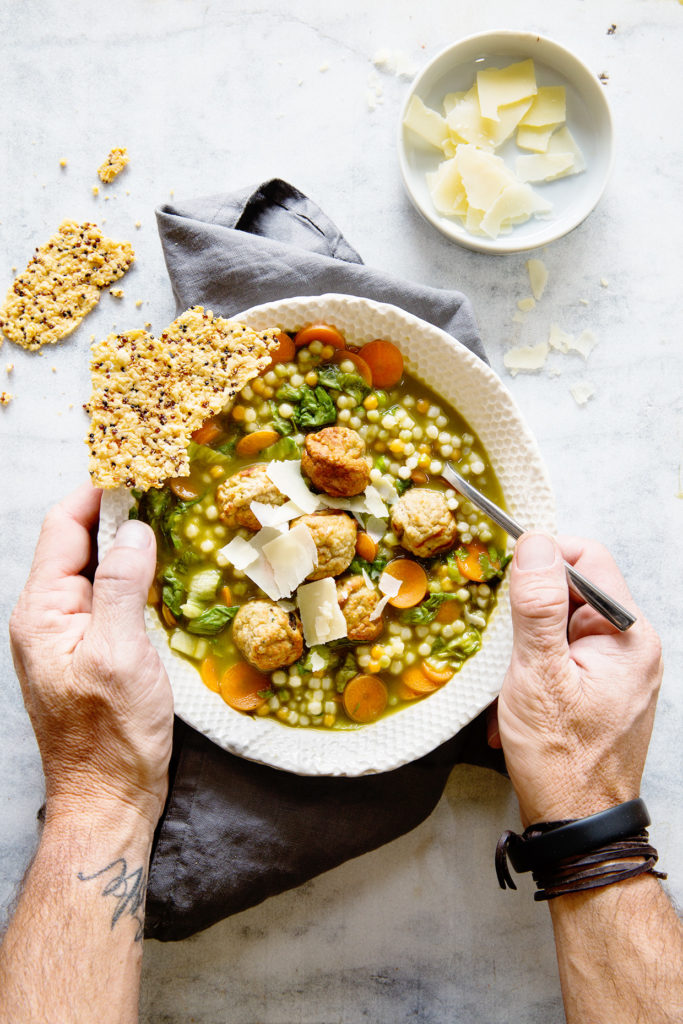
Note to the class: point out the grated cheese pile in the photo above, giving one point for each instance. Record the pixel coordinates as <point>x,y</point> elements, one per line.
<point>62,283</point>
<point>149,394</point>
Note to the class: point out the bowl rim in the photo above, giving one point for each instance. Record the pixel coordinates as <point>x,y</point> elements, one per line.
<point>505,244</point>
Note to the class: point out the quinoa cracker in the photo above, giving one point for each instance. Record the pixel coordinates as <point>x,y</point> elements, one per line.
<point>149,394</point>
<point>113,165</point>
<point>61,284</point>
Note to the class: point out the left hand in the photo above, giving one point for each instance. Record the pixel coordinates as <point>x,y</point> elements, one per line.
<point>97,694</point>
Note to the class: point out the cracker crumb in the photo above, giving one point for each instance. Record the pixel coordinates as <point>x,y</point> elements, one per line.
<point>117,293</point>
<point>62,163</point>
<point>138,303</point>
<point>9,367</point>
<point>138,224</point>
<point>127,191</point>
<point>5,398</point>
<point>54,369</point>
<point>149,394</point>
<point>113,165</point>
<point>604,283</point>
<point>61,284</point>
<point>95,190</point>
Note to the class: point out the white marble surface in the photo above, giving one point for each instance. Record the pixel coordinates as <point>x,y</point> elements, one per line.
<point>211,96</point>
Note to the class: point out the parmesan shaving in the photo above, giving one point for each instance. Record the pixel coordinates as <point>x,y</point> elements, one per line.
<point>238,552</point>
<point>288,479</point>
<point>389,585</point>
<point>526,358</point>
<point>321,617</point>
<point>582,392</point>
<point>292,556</point>
<point>538,277</point>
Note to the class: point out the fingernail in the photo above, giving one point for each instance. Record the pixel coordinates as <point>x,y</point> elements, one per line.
<point>535,552</point>
<point>132,534</point>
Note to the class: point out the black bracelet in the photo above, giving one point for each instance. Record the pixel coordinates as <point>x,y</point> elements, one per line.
<point>559,852</point>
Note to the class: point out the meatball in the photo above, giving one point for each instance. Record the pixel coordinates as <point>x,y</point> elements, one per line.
<point>423,522</point>
<point>357,601</point>
<point>267,636</point>
<point>236,494</point>
<point>334,459</point>
<point>334,535</point>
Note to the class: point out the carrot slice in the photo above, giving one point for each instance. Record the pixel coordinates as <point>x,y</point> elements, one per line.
<point>362,368</point>
<point>366,546</point>
<point>284,353</point>
<point>239,687</point>
<point>404,692</point>
<point>385,362</point>
<point>449,612</point>
<point>208,432</point>
<point>470,565</point>
<point>168,616</point>
<point>413,582</point>
<point>154,593</point>
<point>184,488</point>
<point>208,670</point>
<point>438,674</point>
<point>225,596</point>
<point>252,444</point>
<point>365,698</point>
<point>319,332</point>
<point>415,679</point>
<point>419,477</point>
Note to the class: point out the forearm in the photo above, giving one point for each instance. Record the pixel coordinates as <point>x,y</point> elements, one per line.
<point>620,954</point>
<point>73,951</point>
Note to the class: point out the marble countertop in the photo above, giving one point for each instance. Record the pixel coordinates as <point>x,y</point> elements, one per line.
<point>212,96</point>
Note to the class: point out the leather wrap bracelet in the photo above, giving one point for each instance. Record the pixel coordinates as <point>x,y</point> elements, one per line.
<point>579,854</point>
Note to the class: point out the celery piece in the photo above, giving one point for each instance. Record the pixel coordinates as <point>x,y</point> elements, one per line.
<point>203,585</point>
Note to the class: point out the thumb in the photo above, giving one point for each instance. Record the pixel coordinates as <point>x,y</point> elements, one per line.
<point>539,597</point>
<point>123,579</point>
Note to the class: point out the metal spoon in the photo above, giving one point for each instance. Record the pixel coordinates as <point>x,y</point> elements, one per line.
<point>594,596</point>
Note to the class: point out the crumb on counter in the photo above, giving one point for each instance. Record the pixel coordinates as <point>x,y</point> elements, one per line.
<point>138,303</point>
<point>526,305</point>
<point>9,367</point>
<point>116,292</point>
<point>5,398</point>
<point>62,163</point>
<point>113,165</point>
<point>95,190</point>
<point>604,283</point>
<point>138,224</point>
<point>581,392</point>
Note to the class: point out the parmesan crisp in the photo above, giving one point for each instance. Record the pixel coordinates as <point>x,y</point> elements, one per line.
<point>149,394</point>
<point>113,165</point>
<point>62,284</point>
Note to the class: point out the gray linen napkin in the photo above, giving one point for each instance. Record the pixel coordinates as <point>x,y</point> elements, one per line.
<point>234,832</point>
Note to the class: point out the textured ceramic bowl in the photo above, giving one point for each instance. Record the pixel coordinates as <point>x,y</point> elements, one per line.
<point>588,118</point>
<point>469,385</point>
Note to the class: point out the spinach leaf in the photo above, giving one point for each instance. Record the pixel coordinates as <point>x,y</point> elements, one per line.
<point>213,620</point>
<point>265,694</point>
<point>453,571</point>
<point>330,375</point>
<point>425,612</point>
<point>228,448</point>
<point>279,423</point>
<point>457,649</point>
<point>173,590</point>
<point>403,485</point>
<point>288,393</point>
<point>315,409</point>
<point>348,670</point>
<point>493,564</point>
<point>163,512</point>
<point>373,569</point>
<point>285,448</point>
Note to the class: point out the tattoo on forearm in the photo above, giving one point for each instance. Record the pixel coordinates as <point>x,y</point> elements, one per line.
<point>128,891</point>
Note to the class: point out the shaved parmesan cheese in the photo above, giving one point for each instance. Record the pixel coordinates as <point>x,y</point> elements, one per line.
<point>375,528</point>
<point>238,552</point>
<point>366,580</point>
<point>447,190</point>
<point>499,87</point>
<point>288,478</point>
<point>426,123</point>
<point>526,358</point>
<point>318,663</point>
<point>379,607</point>
<point>543,166</point>
<point>515,204</point>
<point>584,344</point>
<point>582,392</point>
<point>389,585</point>
<point>562,141</point>
<point>287,606</point>
<point>260,571</point>
<point>547,109</point>
<point>559,339</point>
<point>538,277</point>
<point>384,490</point>
<point>466,123</point>
<point>484,176</point>
<point>292,557</point>
<point>536,139</point>
<point>275,515</point>
<point>526,305</point>
<point>321,616</point>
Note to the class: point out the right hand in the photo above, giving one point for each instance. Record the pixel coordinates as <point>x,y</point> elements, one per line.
<point>576,709</point>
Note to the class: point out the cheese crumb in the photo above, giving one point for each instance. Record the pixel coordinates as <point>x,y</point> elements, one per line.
<point>95,190</point>
<point>138,303</point>
<point>526,358</point>
<point>582,392</point>
<point>538,277</point>
<point>9,367</point>
<point>395,62</point>
<point>604,283</point>
<point>116,292</point>
<point>526,305</point>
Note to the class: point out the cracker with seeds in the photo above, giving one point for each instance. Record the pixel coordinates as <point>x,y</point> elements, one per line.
<point>149,394</point>
<point>62,284</point>
<point>113,165</point>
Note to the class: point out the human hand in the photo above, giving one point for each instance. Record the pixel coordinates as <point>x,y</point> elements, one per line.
<point>577,705</point>
<point>97,694</point>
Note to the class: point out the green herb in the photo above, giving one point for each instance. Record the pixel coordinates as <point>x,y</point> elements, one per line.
<point>403,485</point>
<point>382,463</point>
<point>228,448</point>
<point>315,409</point>
<point>453,571</point>
<point>213,620</point>
<point>163,512</point>
<point>330,375</point>
<point>265,694</point>
<point>173,590</point>
<point>493,564</point>
<point>457,649</point>
<point>207,456</point>
<point>348,670</point>
<point>373,569</point>
<point>288,393</point>
<point>426,611</point>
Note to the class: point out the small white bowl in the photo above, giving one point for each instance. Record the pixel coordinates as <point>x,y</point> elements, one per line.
<point>588,118</point>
